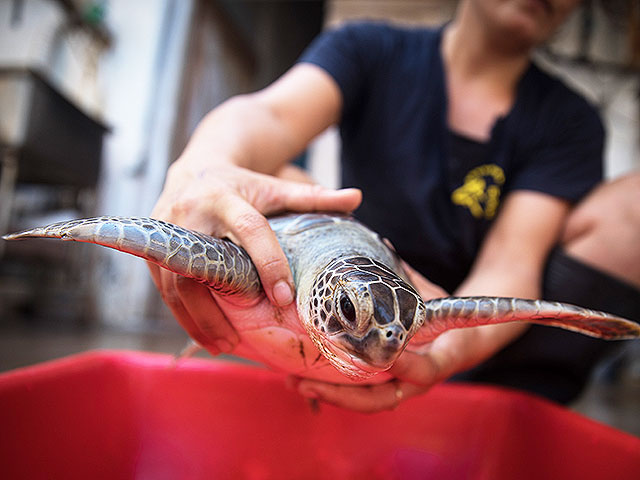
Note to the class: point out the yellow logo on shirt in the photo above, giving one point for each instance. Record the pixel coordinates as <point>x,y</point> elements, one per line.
<point>480,192</point>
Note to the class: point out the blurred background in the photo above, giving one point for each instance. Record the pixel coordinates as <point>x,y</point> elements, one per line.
<point>98,97</point>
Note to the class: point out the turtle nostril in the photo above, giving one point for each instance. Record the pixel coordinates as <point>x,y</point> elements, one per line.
<point>394,334</point>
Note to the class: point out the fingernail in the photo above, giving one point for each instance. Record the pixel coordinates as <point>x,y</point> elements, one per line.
<point>282,293</point>
<point>224,346</point>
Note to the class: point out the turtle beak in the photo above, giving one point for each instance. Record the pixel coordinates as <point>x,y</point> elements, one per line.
<point>390,345</point>
<point>379,349</point>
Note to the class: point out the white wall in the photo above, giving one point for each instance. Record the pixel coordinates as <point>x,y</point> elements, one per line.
<point>141,78</point>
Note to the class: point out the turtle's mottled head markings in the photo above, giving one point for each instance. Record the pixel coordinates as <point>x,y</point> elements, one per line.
<point>363,314</point>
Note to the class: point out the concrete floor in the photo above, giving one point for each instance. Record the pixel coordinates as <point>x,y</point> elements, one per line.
<point>613,403</point>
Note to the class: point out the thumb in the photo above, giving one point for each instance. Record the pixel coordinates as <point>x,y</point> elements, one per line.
<point>426,288</point>
<point>418,369</point>
<point>304,197</point>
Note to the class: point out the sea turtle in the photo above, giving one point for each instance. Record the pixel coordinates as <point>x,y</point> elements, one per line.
<point>356,310</point>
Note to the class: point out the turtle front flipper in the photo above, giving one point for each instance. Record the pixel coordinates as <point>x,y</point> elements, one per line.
<point>219,264</point>
<point>460,312</point>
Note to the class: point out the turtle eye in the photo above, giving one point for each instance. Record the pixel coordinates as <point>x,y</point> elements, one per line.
<point>347,309</point>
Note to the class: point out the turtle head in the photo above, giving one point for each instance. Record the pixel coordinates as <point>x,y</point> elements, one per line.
<point>362,315</point>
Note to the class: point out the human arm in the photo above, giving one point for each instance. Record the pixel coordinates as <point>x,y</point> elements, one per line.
<point>510,263</point>
<point>221,185</point>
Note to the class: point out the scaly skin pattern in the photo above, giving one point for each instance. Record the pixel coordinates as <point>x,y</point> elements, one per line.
<point>219,264</point>
<point>355,310</point>
<point>443,314</point>
<point>364,311</point>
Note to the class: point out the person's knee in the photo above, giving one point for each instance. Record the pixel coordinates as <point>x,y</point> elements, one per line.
<point>611,203</point>
<point>604,229</point>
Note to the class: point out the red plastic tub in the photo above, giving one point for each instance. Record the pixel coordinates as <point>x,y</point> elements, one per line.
<point>123,415</point>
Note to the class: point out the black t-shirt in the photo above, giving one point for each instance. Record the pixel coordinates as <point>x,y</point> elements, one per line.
<point>427,191</point>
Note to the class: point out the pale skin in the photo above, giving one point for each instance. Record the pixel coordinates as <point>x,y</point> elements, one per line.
<point>603,231</point>
<point>221,185</point>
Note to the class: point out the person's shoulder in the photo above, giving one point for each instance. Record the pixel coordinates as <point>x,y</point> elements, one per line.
<point>561,105</point>
<point>370,32</point>
<point>558,94</point>
<point>383,27</point>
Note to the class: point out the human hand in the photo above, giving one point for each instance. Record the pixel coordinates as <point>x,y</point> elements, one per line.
<point>224,200</point>
<point>415,372</point>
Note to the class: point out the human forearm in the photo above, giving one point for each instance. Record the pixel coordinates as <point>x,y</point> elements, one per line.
<point>503,280</point>
<point>512,258</point>
<point>263,130</point>
<point>509,264</point>
<point>242,131</point>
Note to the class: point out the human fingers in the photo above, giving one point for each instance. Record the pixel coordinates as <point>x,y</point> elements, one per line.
<point>426,288</point>
<point>165,283</point>
<point>292,196</point>
<point>361,398</point>
<point>196,310</point>
<point>202,309</point>
<point>172,300</point>
<point>251,229</point>
<point>255,235</point>
<point>452,352</point>
<point>154,270</point>
<point>234,203</point>
<point>423,369</point>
